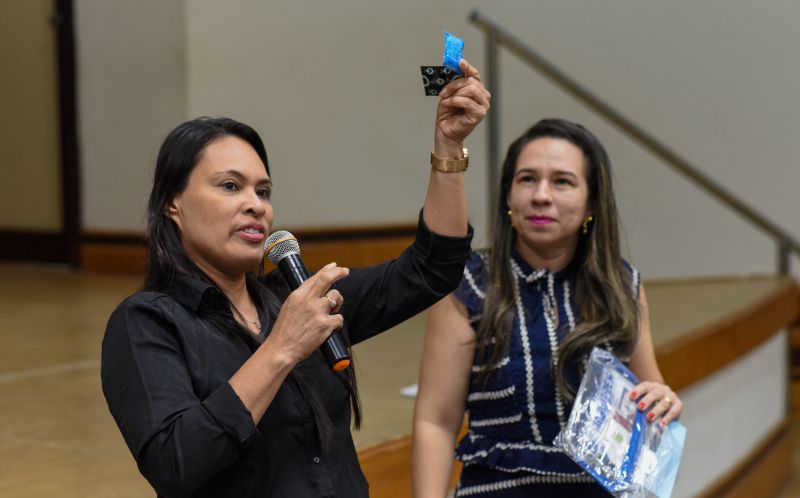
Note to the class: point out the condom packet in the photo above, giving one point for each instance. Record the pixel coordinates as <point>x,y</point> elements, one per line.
<point>435,78</point>
<point>612,440</point>
<point>453,47</point>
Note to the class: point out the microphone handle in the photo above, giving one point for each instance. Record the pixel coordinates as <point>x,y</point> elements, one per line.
<point>333,349</point>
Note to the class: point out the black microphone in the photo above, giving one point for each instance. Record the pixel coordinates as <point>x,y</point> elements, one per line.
<point>284,252</point>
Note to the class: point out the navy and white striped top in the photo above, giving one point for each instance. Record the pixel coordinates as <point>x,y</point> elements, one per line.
<point>514,418</point>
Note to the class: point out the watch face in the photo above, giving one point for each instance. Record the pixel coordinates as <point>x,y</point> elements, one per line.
<point>435,78</point>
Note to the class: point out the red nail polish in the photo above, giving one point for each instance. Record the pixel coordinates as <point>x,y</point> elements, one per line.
<point>633,395</point>
<point>641,405</point>
<point>651,416</point>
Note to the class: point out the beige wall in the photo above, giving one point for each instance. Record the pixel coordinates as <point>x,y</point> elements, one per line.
<point>334,90</point>
<point>713,80</point>
<point>30,164</point>
<point>722,425</point>
<point>131,91</point>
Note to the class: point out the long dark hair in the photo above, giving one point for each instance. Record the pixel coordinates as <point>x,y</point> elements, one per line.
<point>177,158</point>
<point>604,295</point>
<point>167,258</point>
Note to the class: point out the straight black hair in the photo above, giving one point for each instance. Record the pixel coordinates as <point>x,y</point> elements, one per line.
<point>166,257</point>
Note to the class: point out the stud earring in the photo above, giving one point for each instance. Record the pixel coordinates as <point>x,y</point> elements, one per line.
<point>509,212</point>
<point>586,223</point>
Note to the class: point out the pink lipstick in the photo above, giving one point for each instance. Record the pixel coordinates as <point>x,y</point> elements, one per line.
<point>540,220</point>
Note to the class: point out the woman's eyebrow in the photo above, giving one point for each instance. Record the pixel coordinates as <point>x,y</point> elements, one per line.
<point>239,176</point>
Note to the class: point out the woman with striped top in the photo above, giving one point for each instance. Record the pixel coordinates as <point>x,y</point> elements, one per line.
<point>508,346</point>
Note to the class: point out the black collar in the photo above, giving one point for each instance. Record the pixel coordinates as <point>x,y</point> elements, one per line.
<point>196,294</point>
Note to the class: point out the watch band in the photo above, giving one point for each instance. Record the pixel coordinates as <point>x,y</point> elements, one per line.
<point>450,165</point>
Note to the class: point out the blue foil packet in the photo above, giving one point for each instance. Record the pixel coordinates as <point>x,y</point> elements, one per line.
<point>453,47</point>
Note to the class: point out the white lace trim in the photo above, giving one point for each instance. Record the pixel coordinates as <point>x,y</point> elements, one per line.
<point>549,477</point>
<point>568,306</point>
<point>472,284</point>
<point>532,277</point>
<point>499,394</point>
<point>496,421</point>
<point>500,364</point>
<point>526,349</point>
<point>510,446</point>
<point>550,301</point>
<point>551,322</point>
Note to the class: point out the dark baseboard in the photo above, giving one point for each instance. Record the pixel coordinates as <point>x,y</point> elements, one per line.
<point>50,247</point>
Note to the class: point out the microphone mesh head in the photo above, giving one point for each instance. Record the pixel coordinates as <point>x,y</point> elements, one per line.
<point>279,244</point>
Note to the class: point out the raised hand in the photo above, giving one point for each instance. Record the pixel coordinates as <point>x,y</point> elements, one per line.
<point>462,105</point>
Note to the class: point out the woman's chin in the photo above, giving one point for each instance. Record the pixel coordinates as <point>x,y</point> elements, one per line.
<point>243,263</point>
<point>550,243</point>
<point>253,263</point>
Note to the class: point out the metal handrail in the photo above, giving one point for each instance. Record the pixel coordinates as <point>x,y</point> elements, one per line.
<point>497,35</point>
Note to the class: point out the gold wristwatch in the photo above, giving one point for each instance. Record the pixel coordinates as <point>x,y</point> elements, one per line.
<point>450,165</point>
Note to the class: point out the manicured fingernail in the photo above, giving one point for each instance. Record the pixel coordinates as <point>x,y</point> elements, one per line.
<point>641,405</point>
<point>651,416</point>
<point>634,395</point>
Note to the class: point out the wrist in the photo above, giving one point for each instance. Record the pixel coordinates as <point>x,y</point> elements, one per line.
<point>457,164</point>
<point>447,148</point>
<point>279,358</point>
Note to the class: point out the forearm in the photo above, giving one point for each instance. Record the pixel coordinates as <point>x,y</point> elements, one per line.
<point>432,459</point>
<point>305,320</point>
<point>381,296</point>
<point>445,208</point>
<point>259,378</point>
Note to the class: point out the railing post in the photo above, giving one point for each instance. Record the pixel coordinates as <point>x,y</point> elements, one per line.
<point>784,251</point>
<point>493,123</point>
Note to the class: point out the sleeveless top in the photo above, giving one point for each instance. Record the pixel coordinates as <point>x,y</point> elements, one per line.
<point>515,416</point>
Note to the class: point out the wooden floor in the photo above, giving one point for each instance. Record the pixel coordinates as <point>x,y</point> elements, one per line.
<point>56,436</point>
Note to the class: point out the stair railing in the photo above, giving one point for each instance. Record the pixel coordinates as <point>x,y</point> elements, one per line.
<point>497,36</point>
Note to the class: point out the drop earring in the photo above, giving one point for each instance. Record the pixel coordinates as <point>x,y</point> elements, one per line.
<point>586,223</point>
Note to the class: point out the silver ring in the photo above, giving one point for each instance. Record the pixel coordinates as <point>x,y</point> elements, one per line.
<point>332,301</point>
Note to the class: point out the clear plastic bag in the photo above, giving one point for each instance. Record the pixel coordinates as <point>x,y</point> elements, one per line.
<point>612,440</point>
